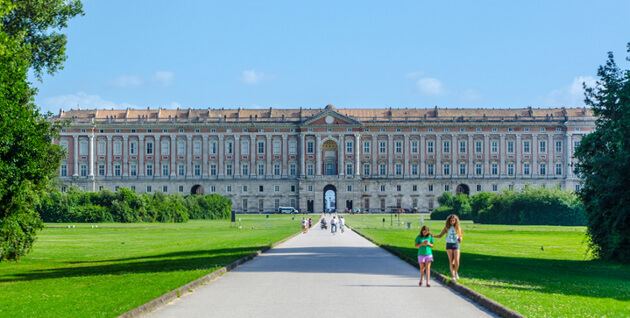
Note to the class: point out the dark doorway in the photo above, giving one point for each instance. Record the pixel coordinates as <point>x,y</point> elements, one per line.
<point>462,189</point>
<point>330,198</point>
<point>349,205</point>
<point>309,206</point>
<point>196,189</point>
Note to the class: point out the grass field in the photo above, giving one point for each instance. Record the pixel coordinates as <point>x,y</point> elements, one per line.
<point>109,270</point>
<point>539,271</point>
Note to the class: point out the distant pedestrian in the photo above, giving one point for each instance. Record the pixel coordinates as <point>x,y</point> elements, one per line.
<point>424,243</point>
<point>310,223</point>
<point>333,225</point>
<point>454,236</point>
<point>304,224</point>
<point>342,223</point>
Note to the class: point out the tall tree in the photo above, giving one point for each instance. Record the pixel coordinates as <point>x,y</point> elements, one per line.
<point>604,163</point>
<point>28,158</point>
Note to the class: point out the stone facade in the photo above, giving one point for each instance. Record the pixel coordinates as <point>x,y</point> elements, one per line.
<point>371,159</point>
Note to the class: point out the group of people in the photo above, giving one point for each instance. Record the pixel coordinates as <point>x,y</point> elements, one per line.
<point>306,224</point>
<point>335,223</point>
<point>424,243</point>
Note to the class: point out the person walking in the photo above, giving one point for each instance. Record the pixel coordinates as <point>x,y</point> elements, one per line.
<point>304,228</point>
<point>310,223</point>
<point>342,223</point>
<point>454,236</point>
<point>424,243</point>
<point>333,225</point>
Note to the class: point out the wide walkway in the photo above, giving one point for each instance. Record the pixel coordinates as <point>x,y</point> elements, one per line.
<point>322,275</point>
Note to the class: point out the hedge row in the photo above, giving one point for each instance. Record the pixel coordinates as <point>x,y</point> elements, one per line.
<point>530,206</point>
<point>127,206</point>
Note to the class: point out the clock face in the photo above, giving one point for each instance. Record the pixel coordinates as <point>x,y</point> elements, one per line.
<point>329,119</point>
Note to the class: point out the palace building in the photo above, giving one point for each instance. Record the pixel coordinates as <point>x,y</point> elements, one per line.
<point>375,160</point>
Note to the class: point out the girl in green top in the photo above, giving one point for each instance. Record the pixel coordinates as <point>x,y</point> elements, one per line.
<point>424,243</point>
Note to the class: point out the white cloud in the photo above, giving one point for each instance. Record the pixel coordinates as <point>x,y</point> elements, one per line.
<point>252,77</point>
<point>430,86</point>
<point>81,100</point>
<point>163,78</point>
<point>126,81</point>
<point>414,75</point>
<point>571,95</point>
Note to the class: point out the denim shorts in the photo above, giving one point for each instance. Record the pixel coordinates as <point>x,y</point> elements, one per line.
<point>452,246</point>
<point>425,258</point>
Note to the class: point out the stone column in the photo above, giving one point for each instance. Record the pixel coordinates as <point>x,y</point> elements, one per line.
<point>551,170</point>
<point>268,155</point>
<point>390,155</point>
<point>252,144</point>
<point>535,156</point>
<point>109,148</point>
<point>91,156</point>
<point>486,156</point>
<point>342,152</point>
<point>454,154</point>
<point>174,156</point>
<point>157,170</point>
<point>357,156</point>
<point>421,150</point>
<point>567,157</point>
<point>285,156</point>
<point>220,154</point>
<point>518,164</point>
<point>318,155</point>
<point>124,147</point>
<point>301,154</point>
<point>471,154</point>
<point>438,155</point>
<point>502,154</point>
<point>75,147</point>
<point>141,156</point>
<point>406,147</point>
<point>237,156</point>
<point>374,155</point>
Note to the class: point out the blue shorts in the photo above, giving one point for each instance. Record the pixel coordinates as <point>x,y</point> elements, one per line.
<point>452,246</point>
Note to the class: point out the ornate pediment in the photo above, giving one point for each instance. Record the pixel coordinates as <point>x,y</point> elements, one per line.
<point>330,117</point>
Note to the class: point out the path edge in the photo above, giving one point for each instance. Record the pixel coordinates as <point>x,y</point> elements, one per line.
<point>155,304</point>
<point>492,305</point>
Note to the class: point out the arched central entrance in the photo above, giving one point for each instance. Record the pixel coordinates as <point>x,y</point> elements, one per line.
<point>196,189</point>
<point>330,198</point>
<point>462,189</point>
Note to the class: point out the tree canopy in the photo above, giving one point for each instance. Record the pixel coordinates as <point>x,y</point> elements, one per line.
<point>604,163</point>
<point>28,158</point>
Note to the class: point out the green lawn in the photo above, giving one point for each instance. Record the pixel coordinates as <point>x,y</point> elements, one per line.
<point>109,270</point>
<point>539,271</point>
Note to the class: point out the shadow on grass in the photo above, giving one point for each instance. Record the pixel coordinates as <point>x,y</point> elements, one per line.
<point>593,278</point>
<point>169,262</point>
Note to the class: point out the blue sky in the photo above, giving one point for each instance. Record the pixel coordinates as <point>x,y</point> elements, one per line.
<point>352,54</point>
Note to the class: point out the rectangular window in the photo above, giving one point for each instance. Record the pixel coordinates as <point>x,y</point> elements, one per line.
<point>292,190</point>
<point>558,169</point>
<point>165,170</point>
<point>276,169</point>
<point>349,147</point>
<point>293,170</point>
<point>526,144</point>
<point>430,146</point>
<point>382,169</point>
<point>276,146</point>
<point>398,168</point>
<point>543,146</point>
<point>165,189</point>
<point>543,169</point>
<point>310,170</point>
<point>382,204</point>
<point>494,169</point>
<point>230,148</point>
<point>558,146</point>
<point>510,169</point>
<point>366,169</point>
<point>181,170</point>
<point>213,147</point>
<point>462,169</point>
<point>446,169</point>
<point>196,147</point>
<point>414,188</point>
<point>149,189</point>
<point>101,148</point>
<point>276,204</point>
<point>479,188</point>
<point>149,147</point>
<point>117,170</point>
<point>244,147</point>
<point>430,188</point>
<point>245,205</point>
<point>446,146</point>
<point>133,170</point>
<point>366,147</point>
<point>245,170</point>
<point>398,146</point>
<point>64,170</point>
<point>261,169</point>
<point>478,146</point>
<point>197,170</point>
<point>292,147</point>
<point>117,148</point>
<point>349,171</point>
<point>101,170</point>
<point>83,147</point>
<point>310,147</point>
<point>366,204</point>
<point>276,188</point>
<point>495,188</point>
<point>133,148</point>
<point>164,148</point>
<point>430,168</point>
<point>229,169</point>
<point>462,146</point>
<point>398,188</point>
<point>261,188</point>
<point>181,147</point>
<point>309,188</point>
<point>494,146</point>
<point>149,170</point>
<point>213,170</point>
<point>414,169</point>
<point>510,146</point>
<point>213,189</point>
<point>478,169</point>
<point>261,147</point>
<point>526,168</point>
<point>180,189</point>
<point>447,187</point>
<point>382,188</point>
<point>228,189</point>
<point>349,188</point>
<point>382,145</point>
<point>414,146</point>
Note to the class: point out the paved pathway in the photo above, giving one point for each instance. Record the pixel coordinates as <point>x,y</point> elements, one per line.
<point>320,274</point>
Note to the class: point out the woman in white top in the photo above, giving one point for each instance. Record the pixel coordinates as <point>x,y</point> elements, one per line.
<point>454,235</point>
